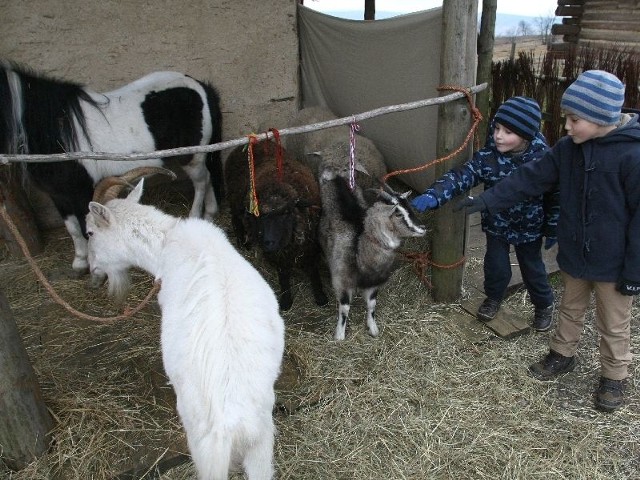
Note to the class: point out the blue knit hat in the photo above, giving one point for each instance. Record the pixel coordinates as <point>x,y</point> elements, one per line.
<point>521,115</point>
<point>596,96</point>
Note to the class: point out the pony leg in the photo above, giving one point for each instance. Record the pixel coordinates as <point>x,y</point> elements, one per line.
<point>343,314</point>
<point>371,295</point>
<point>80,263</point>
<point>202,190</point>
<point>210,203</point>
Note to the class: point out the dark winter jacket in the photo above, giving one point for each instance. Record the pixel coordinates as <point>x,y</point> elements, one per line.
<point>599,184</point>
<point>523,222</point>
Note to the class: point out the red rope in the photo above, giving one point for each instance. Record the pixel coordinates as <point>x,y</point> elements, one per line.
<point>279,155</point>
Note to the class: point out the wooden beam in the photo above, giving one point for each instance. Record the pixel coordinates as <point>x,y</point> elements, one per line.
<point>612,36</point>
<point>569,11</point>
<point>558,29</point>
<point>630,26</point>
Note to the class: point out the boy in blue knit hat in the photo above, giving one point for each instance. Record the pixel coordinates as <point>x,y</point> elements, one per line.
<point>597,169</point>
<point>514,139</point>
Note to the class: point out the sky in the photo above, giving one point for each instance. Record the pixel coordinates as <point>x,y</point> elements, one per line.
<point>529,8</point>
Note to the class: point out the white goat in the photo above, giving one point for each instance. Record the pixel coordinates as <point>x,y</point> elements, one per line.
<point>222,336</point>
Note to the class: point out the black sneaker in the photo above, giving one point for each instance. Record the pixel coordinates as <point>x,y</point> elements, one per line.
<point>542,319</point>
<point>610,394</point>
<point>551,366</point>
<point>488,309</point>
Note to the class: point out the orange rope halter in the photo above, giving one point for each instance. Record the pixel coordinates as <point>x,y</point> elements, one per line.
<point>477,118</point>
<point>421,260</point>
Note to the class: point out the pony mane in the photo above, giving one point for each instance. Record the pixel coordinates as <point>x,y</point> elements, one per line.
<point>44,110</point>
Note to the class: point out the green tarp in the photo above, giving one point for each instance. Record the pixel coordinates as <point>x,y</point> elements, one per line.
<point>356,66</point>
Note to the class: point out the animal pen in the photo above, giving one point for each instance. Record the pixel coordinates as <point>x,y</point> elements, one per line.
<point>415,403</point>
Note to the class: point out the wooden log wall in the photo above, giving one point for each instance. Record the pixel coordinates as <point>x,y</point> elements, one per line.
<point>599,23</point>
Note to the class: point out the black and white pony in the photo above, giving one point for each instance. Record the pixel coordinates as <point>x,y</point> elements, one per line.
<point>40,115</point>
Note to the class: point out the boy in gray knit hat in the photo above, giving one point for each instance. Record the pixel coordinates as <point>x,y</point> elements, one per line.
<point>597,169</point>
<point>514,139</point>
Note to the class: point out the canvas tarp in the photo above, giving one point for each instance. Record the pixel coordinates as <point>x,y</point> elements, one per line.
<point>355,66</point>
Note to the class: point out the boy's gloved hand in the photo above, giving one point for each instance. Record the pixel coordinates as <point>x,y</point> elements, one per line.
<point>424,202</point>
<point>627,287</point>
<point>550,242</point>
<point>472,204</point>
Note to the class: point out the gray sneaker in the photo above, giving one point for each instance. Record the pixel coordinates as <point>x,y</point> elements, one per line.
<point>542,319</point>
<point>488,309</point>
<point>610,394</point>
<point>551,366</point>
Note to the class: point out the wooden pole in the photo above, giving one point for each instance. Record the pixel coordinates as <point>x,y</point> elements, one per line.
<point>486,41</point>
<point>457,67</point>
<point>25,422</point>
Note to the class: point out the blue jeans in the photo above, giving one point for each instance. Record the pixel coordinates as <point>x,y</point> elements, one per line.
<point>497,270</point>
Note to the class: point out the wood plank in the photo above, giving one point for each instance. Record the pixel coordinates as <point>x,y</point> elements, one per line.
<point>507,324</point>
<point>469,327</point>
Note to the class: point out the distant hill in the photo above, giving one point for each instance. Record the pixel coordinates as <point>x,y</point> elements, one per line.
<point>505,23</point>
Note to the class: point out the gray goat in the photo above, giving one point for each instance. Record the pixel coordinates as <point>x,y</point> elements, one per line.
<point>359,241</point>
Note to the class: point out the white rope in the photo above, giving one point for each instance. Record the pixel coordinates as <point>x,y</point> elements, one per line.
<point>172,152</point>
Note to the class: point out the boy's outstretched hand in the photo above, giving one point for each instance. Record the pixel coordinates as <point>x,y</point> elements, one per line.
<point>424,202</point>
<point>472,205</point>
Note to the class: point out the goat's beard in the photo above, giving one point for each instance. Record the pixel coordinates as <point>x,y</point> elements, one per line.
<point>119,285</point>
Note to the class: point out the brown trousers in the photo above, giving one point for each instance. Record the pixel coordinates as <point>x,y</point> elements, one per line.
<point>613,321</point>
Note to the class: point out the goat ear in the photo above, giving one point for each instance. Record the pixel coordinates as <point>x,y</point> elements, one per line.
<point>136,194</point>
<point>101,214</point>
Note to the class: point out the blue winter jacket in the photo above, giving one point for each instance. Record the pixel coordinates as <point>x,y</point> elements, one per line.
<point>599,184</point>
<point>523,222</point>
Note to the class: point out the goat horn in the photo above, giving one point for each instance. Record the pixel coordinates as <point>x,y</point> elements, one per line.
<point>138,172</point>
<point>110,187</point>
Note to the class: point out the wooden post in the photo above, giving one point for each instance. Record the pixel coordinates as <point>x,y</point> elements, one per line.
<point>14,200</point>
<point>457,67</point>
<point>486,41</point>
<point>25,422</point>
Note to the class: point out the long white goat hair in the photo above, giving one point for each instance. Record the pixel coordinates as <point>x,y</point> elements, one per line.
<point>222,336</point>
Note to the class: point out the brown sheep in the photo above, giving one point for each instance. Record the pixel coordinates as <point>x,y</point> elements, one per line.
<point>289,213</point>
